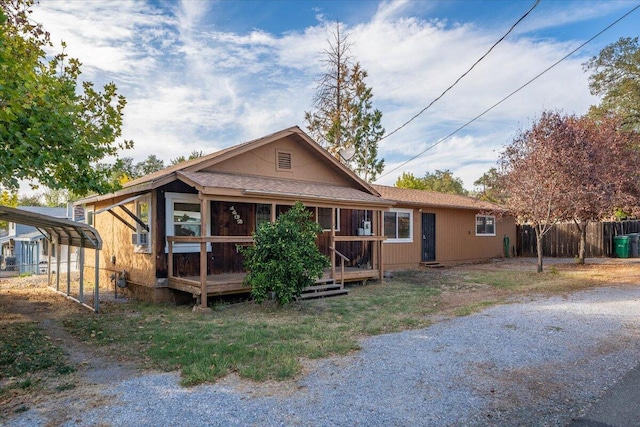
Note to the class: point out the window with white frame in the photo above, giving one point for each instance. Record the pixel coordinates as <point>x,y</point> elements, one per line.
<point>141,239</point>
<point>398,226</point>
<point>184,219</point>
<point>485,225</point>
<point>89,215</point>
<point>324,218</point>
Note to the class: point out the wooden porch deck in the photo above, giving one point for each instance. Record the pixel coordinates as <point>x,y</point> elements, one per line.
<point>233,283</point>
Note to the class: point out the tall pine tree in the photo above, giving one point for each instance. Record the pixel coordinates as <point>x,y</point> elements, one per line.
<point>344,116</point>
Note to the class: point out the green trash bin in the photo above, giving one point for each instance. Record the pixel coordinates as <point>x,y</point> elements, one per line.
<point>622,246</point>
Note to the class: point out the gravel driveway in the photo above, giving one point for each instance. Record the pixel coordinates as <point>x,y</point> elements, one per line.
<point>535,363</point>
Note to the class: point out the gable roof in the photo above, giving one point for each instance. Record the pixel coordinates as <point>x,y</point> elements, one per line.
<point>432,198</point>
<point>171,173</point>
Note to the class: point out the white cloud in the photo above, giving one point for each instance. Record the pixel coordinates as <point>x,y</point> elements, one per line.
<point>192,88</point>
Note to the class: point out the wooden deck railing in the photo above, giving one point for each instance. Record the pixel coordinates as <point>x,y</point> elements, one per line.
<point>204,240</point>
<point>342,261</point>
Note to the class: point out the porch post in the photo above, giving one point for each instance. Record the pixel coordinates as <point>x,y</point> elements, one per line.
<point>333,243</point>
<point>380,244</point>
<point>49,248</point>
<point>204,213</point>
<point>273,213</point>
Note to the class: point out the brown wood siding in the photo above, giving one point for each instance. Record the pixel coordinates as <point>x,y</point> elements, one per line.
<point>305,164</point>
<point>456,240</point>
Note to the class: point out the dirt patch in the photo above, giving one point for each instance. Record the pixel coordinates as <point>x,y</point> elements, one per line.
<point>29,300</point>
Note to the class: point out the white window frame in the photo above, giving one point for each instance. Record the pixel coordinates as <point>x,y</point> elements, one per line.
<point>140,248</point>
<point>485,234</point>
<point>403,239</point>
<point>170,200</point>
<point>90,215</point>
<point>337,217</point>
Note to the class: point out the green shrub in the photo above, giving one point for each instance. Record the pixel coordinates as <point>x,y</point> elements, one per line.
<point>285,258</point>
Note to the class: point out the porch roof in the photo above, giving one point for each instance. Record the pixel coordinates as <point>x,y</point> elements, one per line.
<point>210,183</point>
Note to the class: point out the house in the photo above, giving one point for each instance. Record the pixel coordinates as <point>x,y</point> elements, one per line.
<point>25,249</point>
<point>430,228</point>
<point>174,234</point>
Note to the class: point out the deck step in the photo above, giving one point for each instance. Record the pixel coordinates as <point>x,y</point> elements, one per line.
<point>322,294</point>
<point>316,288</point>
<point>432,264</point>
<point>325,280</point>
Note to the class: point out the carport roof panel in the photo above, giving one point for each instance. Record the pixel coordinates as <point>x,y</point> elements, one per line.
<point>67,232</point>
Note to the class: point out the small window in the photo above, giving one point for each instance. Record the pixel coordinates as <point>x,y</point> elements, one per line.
<point>398,226</point>
<point>263,213</point>
<point>284,161</point>
<point>141,239</point>
<point>184,219</point>
<point>88,216</point>
<point>324,218</point>
<point>485,225</point>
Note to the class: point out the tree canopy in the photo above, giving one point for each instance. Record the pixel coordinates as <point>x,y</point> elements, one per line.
<point>53,128</point>
<point>567,168</point>
<point>489,187</point>
<point>344,116</point>
<point>440,181</point>
<point>616,79</point>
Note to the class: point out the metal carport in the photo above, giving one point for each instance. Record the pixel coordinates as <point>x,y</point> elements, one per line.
<point>63,232</point>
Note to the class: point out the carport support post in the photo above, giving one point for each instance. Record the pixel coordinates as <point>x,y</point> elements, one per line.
<point>81,294</point>
<point>96,298</point>
<point>58,263</point>
<point>68,268</point>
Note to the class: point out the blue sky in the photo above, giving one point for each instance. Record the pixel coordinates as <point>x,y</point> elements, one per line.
<point>205,75</point>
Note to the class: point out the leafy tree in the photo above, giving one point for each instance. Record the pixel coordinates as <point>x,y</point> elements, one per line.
<point>194,155</point>
<point>32,200</point>
<point>440,181</point>
<point>616,78</point>
<point>489,184</point>
<point>52,129</point>
<point>285,258</point>
<point>599,171</point>
<point>9,199</point>
<point>530,169</point>
<point>149,165</point>
<point>569,168</point>
<point>344,116</point>
<point>57,198</point>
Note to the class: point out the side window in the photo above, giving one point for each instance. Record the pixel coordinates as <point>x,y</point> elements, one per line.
<point>398,226</point>
<point>263,214</point>
<point>141,239</point>
<point>485,225</point>
<point>183,219</point>
<point>324,218</point>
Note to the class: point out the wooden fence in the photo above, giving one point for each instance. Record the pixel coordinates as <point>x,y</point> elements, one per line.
<point>563,240</point>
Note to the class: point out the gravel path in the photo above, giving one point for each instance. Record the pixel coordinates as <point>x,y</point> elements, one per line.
<point>534,363</point>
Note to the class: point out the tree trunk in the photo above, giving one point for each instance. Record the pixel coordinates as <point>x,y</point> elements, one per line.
<point>539,237</point>
<point>582,251</point>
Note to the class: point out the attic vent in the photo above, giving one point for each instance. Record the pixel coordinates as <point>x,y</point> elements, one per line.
<point>284,161</point>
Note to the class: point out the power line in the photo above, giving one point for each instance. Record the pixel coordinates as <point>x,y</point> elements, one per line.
<point>512,93</point>
<point>464,74</point>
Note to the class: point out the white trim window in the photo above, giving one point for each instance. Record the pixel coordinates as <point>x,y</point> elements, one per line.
<point>141,239</point>
<point>323,216</point>
<point>485,225</point>
<point>398,226</point>
<point>183,219</point>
